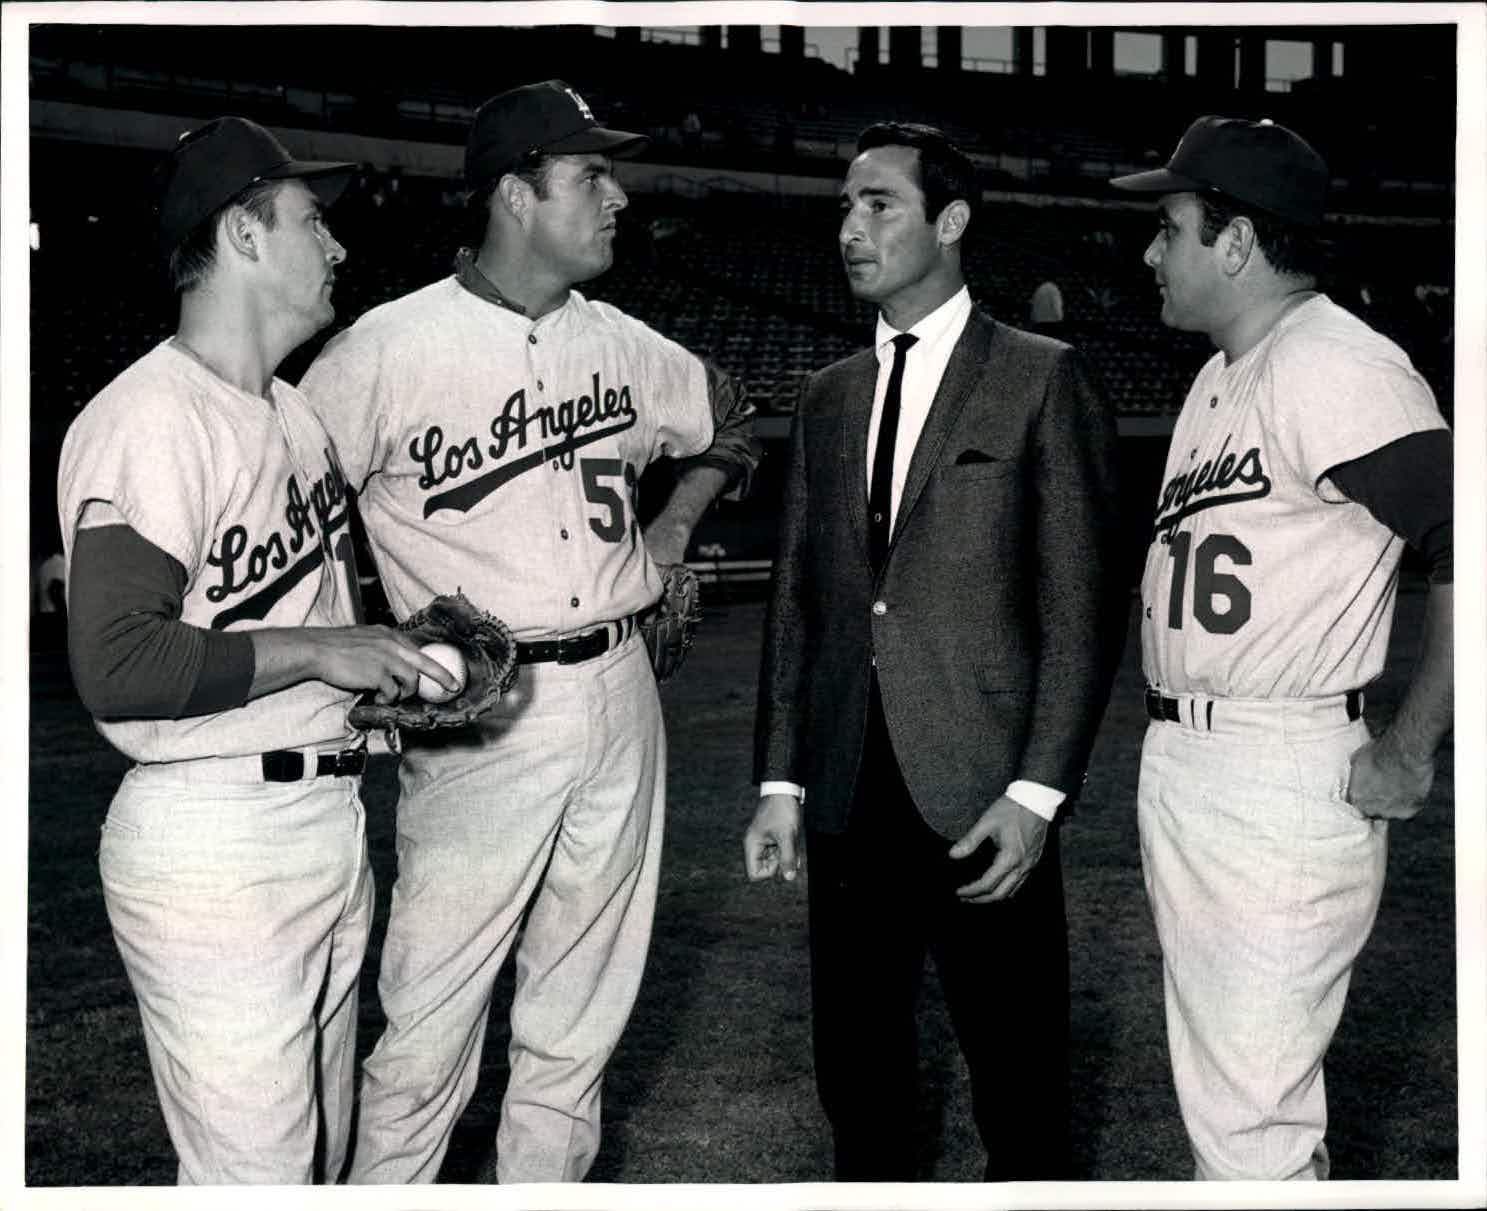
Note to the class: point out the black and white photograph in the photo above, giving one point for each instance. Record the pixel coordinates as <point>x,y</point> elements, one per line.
<point>781,605</point>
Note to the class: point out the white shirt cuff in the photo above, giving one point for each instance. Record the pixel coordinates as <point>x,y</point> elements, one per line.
<point>782,788</point>
<point>1039,799</point>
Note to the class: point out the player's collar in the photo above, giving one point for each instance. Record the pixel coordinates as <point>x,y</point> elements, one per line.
<point>468,275</point>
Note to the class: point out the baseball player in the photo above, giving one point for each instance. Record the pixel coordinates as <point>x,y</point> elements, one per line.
<point>1307,453</point>
<point>210,603</point>
<point>496,424</point>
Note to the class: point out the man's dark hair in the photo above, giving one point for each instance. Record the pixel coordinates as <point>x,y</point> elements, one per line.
<point>1291,249</point>
<point>946,173</point>
<point>534,167</point>
<point>194,256</point>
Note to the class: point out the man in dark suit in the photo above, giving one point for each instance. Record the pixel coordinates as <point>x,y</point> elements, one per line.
<point>946,616</point>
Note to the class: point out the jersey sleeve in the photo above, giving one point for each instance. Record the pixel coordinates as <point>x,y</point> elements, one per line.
<point>351,386</point>
<point>1337,401</point>
<point>675,392</point>
<point>152,459</point>
<point>1407,485</point>
<point>131,655</point>
<point>734,450</point>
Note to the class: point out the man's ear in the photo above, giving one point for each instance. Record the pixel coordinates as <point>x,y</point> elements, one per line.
<point>240,229</point>
<point>1237,244</point>
<point>515,194</point>
<point>953,221</point>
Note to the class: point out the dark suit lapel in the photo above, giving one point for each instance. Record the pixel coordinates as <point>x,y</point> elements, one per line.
<point>857,410</point>
<point>964,371</point>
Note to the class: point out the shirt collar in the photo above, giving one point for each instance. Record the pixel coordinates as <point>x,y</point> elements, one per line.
<point>943,319</point>
<point>468,275</point>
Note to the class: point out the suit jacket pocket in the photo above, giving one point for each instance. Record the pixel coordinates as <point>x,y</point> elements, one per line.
<point>959,473</point>
<point>1002,675</point>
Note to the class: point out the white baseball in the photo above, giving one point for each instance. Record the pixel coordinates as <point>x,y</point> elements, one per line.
<point>449,656</point>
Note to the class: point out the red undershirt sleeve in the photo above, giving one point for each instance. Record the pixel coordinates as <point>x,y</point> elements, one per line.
<point>131,655</point>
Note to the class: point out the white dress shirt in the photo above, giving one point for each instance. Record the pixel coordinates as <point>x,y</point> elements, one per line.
<point>924,367</point>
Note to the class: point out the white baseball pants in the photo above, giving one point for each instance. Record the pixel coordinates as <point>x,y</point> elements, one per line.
<point>241,912</point>
<point>558,806</point>
<point>1263,882</point>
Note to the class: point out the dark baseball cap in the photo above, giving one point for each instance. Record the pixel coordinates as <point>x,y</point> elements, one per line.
<point>1260,163</point>
<point>211,165</point>
<point>548,117</point>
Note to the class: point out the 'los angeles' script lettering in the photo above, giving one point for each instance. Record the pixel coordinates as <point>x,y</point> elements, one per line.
<point>242,563</point>
<point>1224,479</point>
<point>517,425</point>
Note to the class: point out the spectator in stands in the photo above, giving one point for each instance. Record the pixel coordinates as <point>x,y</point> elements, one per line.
<point>784,136</point>
<point>50,595</point>
<point>1046,309</point>
<point>946,617</point>
<point>49,602</point>
<point>692,132</point>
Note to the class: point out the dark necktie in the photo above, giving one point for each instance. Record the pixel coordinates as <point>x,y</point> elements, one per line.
<point>880,493</point>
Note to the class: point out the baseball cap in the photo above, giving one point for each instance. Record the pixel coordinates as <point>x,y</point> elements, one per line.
<point>547,117</point>
<point>212,164</point>
<point>1260,163</point>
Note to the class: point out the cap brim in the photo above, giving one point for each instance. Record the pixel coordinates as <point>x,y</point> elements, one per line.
<point>597,138</point>
<point>327,178</point>
<point>1157,180</point>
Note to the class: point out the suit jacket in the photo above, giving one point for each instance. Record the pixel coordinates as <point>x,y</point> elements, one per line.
<point>998,616</point>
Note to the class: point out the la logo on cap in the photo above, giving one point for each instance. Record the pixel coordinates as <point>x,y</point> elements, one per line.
<point>583,108</point>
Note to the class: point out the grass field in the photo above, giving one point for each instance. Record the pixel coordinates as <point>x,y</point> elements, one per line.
<point>712,1082</point>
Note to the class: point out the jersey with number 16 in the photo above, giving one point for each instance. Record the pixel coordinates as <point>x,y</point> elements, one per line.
<point>1262,579</point>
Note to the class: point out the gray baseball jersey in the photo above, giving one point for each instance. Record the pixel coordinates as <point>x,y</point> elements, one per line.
<point>1262,579</point>
<point>501,455</point>
<point>248,497</point>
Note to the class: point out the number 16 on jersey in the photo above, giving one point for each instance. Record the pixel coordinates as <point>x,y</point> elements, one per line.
<point>1221,602</point>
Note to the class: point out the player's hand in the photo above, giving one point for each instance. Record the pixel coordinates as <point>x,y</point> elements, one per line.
<point>1384,785</point>
<point>1018,836</point>
<point>772,842</point>
<point>375,658</point>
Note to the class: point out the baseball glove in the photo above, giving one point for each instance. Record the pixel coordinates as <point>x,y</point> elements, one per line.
<point>489,650</point>
<point>669,626</point>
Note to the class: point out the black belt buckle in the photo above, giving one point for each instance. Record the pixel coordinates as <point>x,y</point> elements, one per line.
<point>289,766</point>
<point>348,763</point>
<point>1160,707</point>
<point>572,650</point>
<point>578,648</point>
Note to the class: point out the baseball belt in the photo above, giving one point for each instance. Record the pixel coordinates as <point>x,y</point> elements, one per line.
<point>282,765</point>
<point>1162,709</point>
<point>289,765</point>
<point>573,649</point>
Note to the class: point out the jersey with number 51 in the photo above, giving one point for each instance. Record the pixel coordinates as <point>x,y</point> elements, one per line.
<point>501,455</point>
<point>1262,579</point>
